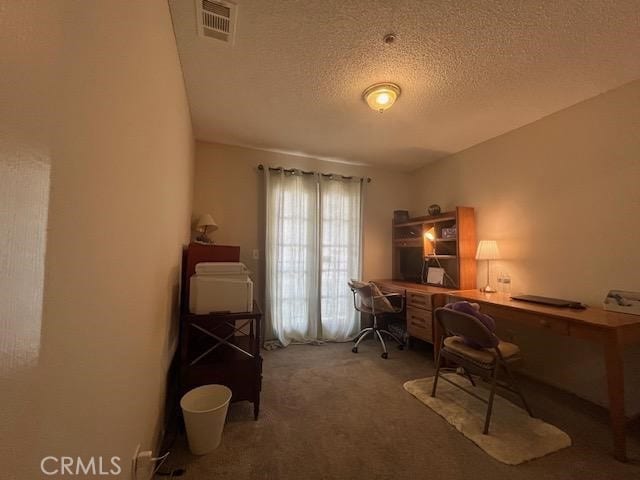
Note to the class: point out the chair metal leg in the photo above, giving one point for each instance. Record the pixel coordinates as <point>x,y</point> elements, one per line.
<point>470,378</point>
<point>487,420</point>
<point>435,379</point>
<point>362,336</point>
<point>384,346</point>
<point>463,372</point>
<point>362,333</point>
<point>398,341</point>
<point>516,388</point>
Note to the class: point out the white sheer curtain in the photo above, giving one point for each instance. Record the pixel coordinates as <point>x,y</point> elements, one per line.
<point>313,247</point>
<point>291,256</point>
<point>340,255</point>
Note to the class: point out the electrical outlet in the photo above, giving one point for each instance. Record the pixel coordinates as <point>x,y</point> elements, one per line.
<point>142,464</point>
<point>145,466</point>
<point>256,254</point>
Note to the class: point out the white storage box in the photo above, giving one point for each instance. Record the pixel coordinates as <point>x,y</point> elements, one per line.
<point>231,270</point>
<point>220,287</point>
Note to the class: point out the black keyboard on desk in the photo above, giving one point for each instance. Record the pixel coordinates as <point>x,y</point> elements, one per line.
<point>553,302</point>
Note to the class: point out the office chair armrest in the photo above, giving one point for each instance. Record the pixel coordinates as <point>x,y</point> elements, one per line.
<point>390,296</point>
<point>387,295</point>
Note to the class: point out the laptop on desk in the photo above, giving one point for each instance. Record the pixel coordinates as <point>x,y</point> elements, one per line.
<point>552,302</point>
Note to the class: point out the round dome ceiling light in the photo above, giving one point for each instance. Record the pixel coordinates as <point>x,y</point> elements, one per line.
<point>381,96</point>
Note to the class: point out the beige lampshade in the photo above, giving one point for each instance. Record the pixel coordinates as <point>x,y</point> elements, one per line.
<point>430,234</point>
<point>487,250</point>
<point>207,222</point>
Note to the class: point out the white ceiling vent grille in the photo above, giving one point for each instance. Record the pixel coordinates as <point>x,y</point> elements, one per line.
<point>217,19</point>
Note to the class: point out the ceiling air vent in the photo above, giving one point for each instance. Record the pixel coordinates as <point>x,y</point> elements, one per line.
<point>217,19</point>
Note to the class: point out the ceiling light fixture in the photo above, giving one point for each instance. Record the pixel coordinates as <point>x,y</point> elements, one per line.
<point>381,96</point>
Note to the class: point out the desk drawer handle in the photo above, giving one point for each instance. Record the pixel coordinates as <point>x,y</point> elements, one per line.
<point>419,323</point>
<point>545,323</point>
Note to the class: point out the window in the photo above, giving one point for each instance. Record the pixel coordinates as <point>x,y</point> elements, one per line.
<point>313,247</point>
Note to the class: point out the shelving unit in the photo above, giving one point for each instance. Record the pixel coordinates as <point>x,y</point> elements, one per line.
<point>219,347</point>
<point>456,255</point>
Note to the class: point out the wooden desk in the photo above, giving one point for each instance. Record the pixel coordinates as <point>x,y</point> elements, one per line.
<point>612,330</point>
<point>420,301</point>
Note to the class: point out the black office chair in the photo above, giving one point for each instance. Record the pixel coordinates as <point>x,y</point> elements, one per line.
<point>368,299</point>
<point>485,362</point>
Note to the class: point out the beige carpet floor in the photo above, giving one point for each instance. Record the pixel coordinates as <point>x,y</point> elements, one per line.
<point>514,437</point>
<point>330,414</point>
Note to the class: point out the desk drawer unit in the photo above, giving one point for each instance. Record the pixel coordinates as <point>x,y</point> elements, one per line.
<point>419,324</point>
<point>419,300</point>
<point>529,319</point>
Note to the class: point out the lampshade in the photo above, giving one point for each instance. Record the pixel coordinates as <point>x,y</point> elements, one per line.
<point>207,222</point>
<point>430,234</point>
<point>487,250</point>
<point>381,96</point>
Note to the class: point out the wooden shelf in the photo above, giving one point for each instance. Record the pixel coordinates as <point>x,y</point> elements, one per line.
<point>408,242</point>
<point>237,362</point>
<point>457,253</point>
<point>407,224</point>
<point>445,217</point>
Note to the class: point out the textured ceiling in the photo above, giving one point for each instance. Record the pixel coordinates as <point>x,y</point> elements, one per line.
<point>469,71</point>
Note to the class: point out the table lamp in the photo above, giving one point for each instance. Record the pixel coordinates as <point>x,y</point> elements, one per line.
<point>205,224</point>
<point>430,235</point>
<point>488,250</point>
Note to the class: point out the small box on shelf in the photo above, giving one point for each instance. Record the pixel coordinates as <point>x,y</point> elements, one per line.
<point>449,233</point>
<point>400,216</point>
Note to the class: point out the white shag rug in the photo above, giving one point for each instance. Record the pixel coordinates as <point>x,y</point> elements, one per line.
<point>514,437</point>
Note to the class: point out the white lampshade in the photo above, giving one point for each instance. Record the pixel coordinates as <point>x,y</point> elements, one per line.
<point>430,234</point>
<point>487,250</point>
<point>207,222</point>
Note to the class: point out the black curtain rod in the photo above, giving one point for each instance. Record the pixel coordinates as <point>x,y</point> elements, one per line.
<point>304,172</point>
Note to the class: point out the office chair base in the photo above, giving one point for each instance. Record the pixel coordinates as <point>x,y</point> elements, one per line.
<point>377,332</point>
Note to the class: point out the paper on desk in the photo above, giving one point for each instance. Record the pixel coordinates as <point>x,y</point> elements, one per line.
<point>622,301</point>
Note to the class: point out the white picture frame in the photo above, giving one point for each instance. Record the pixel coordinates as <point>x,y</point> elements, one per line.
<point>435,276</point>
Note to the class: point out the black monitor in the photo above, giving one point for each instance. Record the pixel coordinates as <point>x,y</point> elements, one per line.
<point>410,264</point>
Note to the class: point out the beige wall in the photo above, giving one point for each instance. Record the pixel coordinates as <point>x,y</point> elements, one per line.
<point>562,198</point>
<point>92,94</point>
<point>229,186</point>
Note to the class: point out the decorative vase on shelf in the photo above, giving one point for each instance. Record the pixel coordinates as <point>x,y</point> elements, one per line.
<point>434,209</point>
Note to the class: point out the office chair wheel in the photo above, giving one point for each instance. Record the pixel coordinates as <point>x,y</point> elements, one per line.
<point>400,347</point>
<point>385,355</point>
<point>354,349</point>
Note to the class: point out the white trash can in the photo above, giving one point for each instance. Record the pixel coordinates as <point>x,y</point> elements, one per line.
<point>205,410</point>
